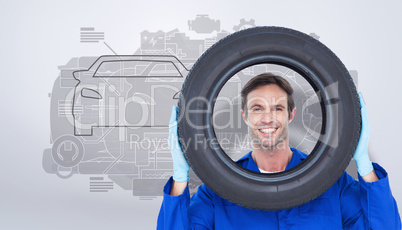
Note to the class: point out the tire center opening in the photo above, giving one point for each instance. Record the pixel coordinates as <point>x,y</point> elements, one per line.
<point>232,132</point>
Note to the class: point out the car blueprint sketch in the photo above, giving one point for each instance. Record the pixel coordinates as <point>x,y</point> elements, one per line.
<point>110,114</point>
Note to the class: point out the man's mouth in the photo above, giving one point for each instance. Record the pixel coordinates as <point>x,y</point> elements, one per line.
<point>268,130</point>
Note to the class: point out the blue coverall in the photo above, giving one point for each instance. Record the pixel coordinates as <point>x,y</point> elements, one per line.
<point>348,204</point>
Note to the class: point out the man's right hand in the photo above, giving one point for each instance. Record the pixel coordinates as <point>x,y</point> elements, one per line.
<point>180,165</point>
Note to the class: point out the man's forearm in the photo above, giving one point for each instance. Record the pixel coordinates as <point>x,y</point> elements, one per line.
<point>371,177</point>
<point>178,188</point>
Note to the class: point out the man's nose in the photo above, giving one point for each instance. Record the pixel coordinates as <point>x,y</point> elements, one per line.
<point>268,116</point>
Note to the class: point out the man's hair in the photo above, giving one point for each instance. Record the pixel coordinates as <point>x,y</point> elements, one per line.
<point>267,79</point>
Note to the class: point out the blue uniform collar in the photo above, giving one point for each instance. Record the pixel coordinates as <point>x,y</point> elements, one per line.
<point>248,162</point>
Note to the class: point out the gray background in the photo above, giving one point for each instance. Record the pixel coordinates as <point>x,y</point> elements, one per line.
<point>38,36</point>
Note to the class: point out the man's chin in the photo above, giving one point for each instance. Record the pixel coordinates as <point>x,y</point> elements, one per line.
<point>267,144</point>
<point>270,145</point>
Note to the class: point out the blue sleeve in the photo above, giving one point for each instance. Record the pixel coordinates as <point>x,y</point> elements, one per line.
<point>177,213</point>
<point>369,205</point>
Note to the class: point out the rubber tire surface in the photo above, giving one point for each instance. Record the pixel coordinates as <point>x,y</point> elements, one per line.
<point>340,106</point>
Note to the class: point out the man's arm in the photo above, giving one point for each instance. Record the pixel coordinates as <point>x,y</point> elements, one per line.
<point>176,212</point>
<point>180,165</point>
<point>178,188</point>
<point>371,177</point>
<point>368,203</point>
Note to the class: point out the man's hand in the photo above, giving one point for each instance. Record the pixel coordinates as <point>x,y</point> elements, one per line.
<point>364,165</point>
<point>180,165</point>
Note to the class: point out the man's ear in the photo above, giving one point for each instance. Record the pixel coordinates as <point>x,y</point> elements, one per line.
<point>292,115</point>
<point>244,116</point>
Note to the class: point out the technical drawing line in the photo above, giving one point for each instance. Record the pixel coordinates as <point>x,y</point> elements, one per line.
<point>284,75</point>
<point>96,178</point>
<point>118,158</point>
<point>101,138</point>
<point>93,33</point>
<point>101,187</point>
<point>147,198</point>
<point>100,182</point>
<point>110,85</point>
<point>87,28</point>
<point>87,38</point>
<point>107,132</point>
<point>111,49</point>
<point>141,76</point>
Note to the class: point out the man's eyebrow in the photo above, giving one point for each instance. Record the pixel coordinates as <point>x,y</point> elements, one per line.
<point>279,105</point>
<point>254,104</point>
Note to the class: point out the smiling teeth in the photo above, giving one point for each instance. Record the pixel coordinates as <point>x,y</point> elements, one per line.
<point>267,130</point>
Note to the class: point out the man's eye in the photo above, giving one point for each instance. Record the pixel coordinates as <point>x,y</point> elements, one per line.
<point>256,109</point>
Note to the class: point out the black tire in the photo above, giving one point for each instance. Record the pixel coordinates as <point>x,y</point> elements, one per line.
<point>340,110</point>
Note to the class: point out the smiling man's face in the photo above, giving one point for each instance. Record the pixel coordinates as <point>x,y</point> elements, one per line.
<point>267,117</point>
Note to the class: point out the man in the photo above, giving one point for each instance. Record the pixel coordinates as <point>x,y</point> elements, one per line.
<point>267,109</point>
